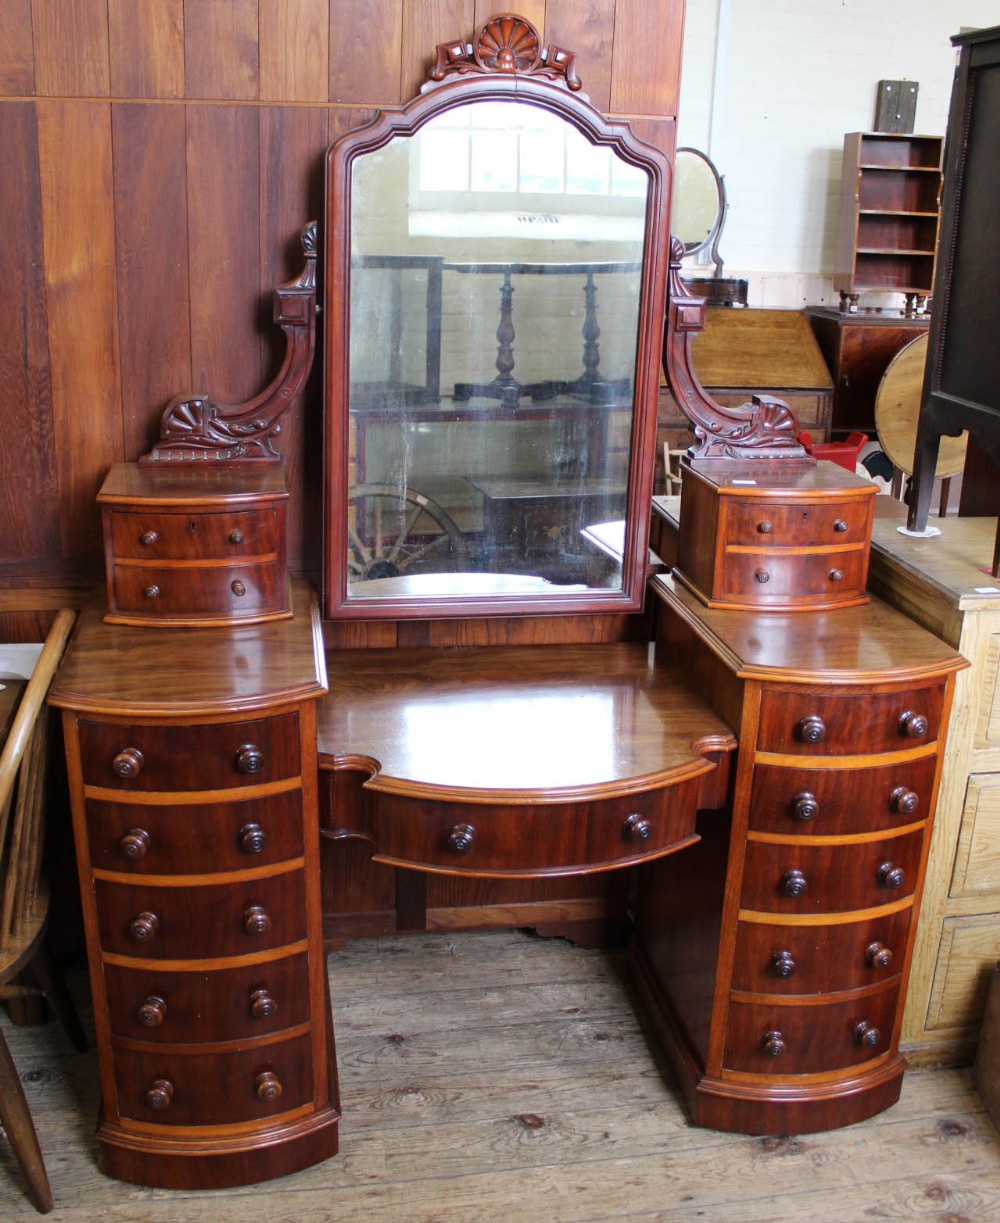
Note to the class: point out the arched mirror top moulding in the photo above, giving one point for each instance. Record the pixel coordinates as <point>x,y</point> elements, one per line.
<point>497,256</point>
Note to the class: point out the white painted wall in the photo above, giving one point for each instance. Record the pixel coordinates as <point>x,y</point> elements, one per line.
<point>768,89</point>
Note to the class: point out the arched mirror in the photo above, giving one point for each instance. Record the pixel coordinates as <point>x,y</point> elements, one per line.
<point>698,210</point>
<point>494,304</point>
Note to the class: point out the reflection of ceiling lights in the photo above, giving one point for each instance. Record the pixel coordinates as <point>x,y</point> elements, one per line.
<point>579,228</point>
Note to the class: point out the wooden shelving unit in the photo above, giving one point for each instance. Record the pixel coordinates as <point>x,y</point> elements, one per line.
<point>890,205</point>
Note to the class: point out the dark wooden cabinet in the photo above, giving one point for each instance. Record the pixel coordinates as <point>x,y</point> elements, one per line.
<point>960,384</point>
<point>858,349</point>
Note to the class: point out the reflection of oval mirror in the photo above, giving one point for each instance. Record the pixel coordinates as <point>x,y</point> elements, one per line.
<point>699,204</point>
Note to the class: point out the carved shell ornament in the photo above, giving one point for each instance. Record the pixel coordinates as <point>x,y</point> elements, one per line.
<point>506,44</point>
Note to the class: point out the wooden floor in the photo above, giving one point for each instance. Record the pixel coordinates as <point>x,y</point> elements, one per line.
<point>500,1078</point>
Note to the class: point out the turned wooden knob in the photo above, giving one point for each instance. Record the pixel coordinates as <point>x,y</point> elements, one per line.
<point>811,729</point>
<point>904,801</point>
<point>143,927</point>
<point>267,1085</point>
<point>783,963</point>
<point>890,876</point>
<point>836,575</point>
<point>635,828</point>
<point>148,538</point>
<point>256,920</point>
<point>134,844</point>
<point>912,725</point>
<point>159,1094</point>
<point>263,1004</point>
<point>152,1012</point>
<point>839,525</point>
<point>152,591</point>
<point>249,758</point>
<point>866,1035</point>
<point>238,588</point>
<point>461,838</point>
<point>774,1044</point>
<point>877,955</point>
<point>805,806</point>
<point>253,839</point>
<point>765,527</point>
<point>235,536</point>
<point>762,576</point>
<point>794,883</point>
<point>128,763</point>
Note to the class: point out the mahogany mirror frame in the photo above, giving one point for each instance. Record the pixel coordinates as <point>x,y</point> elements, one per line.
<point>544,77</point>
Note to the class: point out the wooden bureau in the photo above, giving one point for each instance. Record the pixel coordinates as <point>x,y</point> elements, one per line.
<point>192,764</point>
<point>774,956</point>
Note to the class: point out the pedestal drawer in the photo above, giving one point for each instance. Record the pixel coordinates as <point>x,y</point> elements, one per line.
<point>778,1038</point>
<point>173,1007</point>
<point>191,757</point>
<point>821,724</point>
<point>176,1088</point>
<point>790,959</point>
<point>152,839</point>
<point>199,922</point>
<point>829,801</point>
<point>804,877</point>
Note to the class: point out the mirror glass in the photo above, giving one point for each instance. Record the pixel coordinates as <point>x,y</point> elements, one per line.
<point>495,283</point>
<point>696,212</point>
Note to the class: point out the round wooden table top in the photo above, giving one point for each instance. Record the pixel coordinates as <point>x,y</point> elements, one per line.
<point>897,409</point>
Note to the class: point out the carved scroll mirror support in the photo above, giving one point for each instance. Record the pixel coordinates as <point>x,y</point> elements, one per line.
<point>764,428</point>
<point>196,430</point>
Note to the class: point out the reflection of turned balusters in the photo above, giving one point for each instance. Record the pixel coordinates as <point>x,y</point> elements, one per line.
<point>591,331</point>
<point>505,337</point>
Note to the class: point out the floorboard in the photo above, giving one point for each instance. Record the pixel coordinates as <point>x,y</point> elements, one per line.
<point>503,1078</point>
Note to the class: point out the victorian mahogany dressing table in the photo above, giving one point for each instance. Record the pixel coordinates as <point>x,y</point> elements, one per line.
<point>507,737</point>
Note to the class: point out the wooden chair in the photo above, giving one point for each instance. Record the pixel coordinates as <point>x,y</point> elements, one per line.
<point>24,897</point>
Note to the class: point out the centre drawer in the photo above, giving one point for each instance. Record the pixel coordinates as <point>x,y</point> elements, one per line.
<point>187,1007</point>
<point>779,1038</point>
<point>807,877</point>
<point>156,839</point>
<point>826,801</point>
<point>204,921</point>
<point>135,756</point>
<point>176,1088</point>
<point>848,723</point>
<point>542,838</point>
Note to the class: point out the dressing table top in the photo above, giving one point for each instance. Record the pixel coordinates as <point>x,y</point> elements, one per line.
<point>517,724</point>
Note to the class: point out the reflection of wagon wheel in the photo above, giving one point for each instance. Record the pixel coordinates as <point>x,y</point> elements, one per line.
<point>392,532</point>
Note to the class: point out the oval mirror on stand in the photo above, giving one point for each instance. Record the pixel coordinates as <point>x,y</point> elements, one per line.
<point>697,217</point>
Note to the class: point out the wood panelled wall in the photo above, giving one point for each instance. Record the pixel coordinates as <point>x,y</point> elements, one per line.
<point>157,161</point>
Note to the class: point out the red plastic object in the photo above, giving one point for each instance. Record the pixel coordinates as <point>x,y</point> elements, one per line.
<point>845,453</point>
